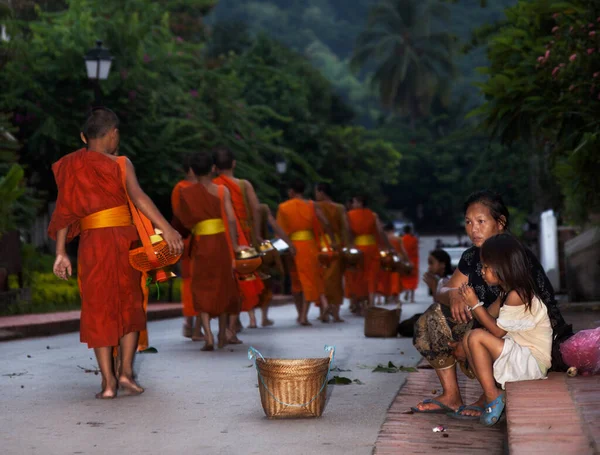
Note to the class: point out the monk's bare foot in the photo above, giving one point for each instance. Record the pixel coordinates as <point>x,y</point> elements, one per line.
<point>253,326</point>
<point>109,390</point>
<point>304,323</point>
<point>338,319</point>
<point>198,336</point>
<point>267,323</point>
<point>207,348</point>
<point>222,341</point>
<point>130,386</point>
<point>187,331</point>
<point>232,338</point>
<point>451,402</point>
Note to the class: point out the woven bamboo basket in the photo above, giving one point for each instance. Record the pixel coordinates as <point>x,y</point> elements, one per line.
<point>292,388</point>
<point>382,323</point>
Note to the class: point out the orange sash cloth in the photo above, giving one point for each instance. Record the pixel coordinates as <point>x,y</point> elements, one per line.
<point>214,288</point>
<point>334,287</point>
<point>296,217</point>
<point>411,245</point>
<point>389,282</point>
<point>186,263</point>
<point>250,287</point>
<point>91,196</point>
<point>364,227</point>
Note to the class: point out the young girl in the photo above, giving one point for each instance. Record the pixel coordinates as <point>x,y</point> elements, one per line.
<point>439,271</point>
<point>517,342</point>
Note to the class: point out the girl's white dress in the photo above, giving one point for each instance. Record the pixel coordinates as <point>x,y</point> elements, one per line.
<point>527,344</point>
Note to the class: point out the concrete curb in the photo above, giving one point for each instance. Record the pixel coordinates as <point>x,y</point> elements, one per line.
<point>37,326</point>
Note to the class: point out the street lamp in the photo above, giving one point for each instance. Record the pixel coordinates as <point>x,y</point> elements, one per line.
<point>97,63</point>
<point>281,166</point>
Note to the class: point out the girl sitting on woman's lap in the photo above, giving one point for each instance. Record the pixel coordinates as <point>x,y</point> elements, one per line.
<point>518,342</point>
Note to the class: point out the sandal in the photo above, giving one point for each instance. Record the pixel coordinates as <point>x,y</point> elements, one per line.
<point>493,411</point>
<point>458,414</point>
<point>443,409</point>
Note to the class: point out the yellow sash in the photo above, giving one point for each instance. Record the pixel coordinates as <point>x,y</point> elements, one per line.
<point>325,244</point>
<point>302,235</point>
<point>209,227</point>
<point>113,217</point>
<point>365,240</point>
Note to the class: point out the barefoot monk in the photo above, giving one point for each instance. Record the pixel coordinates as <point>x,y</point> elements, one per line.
<point>95,190</point>
<point>205,210</point>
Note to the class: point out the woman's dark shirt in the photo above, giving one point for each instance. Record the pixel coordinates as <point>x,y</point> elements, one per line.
<point>470,265</point>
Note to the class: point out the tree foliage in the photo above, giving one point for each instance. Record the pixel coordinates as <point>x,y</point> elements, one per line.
<point>543,89</point>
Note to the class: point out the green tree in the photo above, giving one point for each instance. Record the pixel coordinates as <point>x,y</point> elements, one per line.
<point>542,89</point>
<point>413,63</point>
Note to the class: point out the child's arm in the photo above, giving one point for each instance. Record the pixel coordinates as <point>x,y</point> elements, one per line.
<point>486,319</point>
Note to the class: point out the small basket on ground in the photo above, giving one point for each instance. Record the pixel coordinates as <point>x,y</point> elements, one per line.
<point>381,323</point>
<point>292,388</point>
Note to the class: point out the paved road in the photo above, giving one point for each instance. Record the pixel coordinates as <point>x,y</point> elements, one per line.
<point>206,402</point>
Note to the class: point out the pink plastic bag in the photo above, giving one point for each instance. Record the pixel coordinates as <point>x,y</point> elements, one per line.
<point>582,351</point>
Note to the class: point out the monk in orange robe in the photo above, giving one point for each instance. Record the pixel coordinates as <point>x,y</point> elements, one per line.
<point>300,220</point>
<point>246,208</point>
<point>368,238</point>
<point>389,284</point>
<point>267,220</point>
<point>336,217</point>
<point>93,202</point>
<point>205,209</point>
<point>191,329</point>
<point>411,281</point>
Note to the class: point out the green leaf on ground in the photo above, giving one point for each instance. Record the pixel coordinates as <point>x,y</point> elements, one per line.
<point>358,381</point>
<point>391,368</point>
<point>338,369</point>
<point>340,380</point>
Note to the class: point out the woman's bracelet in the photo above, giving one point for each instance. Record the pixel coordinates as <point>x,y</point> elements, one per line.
<point>476,306</point>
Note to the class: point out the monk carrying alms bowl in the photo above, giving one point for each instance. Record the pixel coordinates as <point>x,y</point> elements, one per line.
<point>352,258</point>
<point>327,256</point>
<point>387,260</point>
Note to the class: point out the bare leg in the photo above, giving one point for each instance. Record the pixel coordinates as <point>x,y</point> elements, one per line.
<point>252,316</point>
<point>188,324</point>
<point>128,344</point>
<point>485,348</point>
<point>299,301</point>
<point>208,335</point>
<point>412,296</point>
<point>335,312</point>
<point>231,332</point>
<point>265,313</point>
<point>450,392</point>
<point>198,335</point>
<point>324,308</point>
<point>224,320</point>
<point>303,319</point>
<point>105,362</point>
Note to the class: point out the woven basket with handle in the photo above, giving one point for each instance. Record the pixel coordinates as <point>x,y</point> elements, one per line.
<point>292,388</point>
<point>382,323</point>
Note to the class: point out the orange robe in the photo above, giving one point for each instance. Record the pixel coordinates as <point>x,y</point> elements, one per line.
<point>250,287</point>
<point>214,287</point>
<point>363,223</point>
<point>333,275</point>
<point>113,297</point>
<point>389,282</point>
<point>411,245</point>
<point>298,216</point>
<point>186,276</point>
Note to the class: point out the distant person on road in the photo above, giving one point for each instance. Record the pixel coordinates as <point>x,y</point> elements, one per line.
<point>389,283</point>
<point>96,190</point>
<point>338,221</point>
<point>300,219</point>
<point>191,329</point>
<point>442,327</point>
<point>369,238</point>
<point>439,271</point>
<point>206,211</point>
<point>516,344</point>
<point>410,282</point>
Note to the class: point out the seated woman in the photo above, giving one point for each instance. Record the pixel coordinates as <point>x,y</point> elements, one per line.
<point>441,328</point>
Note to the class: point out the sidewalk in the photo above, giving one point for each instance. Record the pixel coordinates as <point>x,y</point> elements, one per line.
<point>48,324</point>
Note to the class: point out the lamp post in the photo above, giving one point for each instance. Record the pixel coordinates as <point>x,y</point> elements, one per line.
<point>281,167</point>
<point>97,63</point>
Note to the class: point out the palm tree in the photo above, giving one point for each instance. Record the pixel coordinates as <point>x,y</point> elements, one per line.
<point>413,64</point>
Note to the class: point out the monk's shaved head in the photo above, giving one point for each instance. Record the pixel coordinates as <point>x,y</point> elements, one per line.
<point>297,186</point>
<point>201,163</point>
<point>324,188</point>
<point>99,123</point>
<point>223,158</point>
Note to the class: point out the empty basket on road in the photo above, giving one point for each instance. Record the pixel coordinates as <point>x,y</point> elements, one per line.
<point>292,388</point>
<point>381,323</point>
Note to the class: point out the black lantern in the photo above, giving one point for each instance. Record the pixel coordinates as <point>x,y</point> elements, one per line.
<point>97,63</point>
